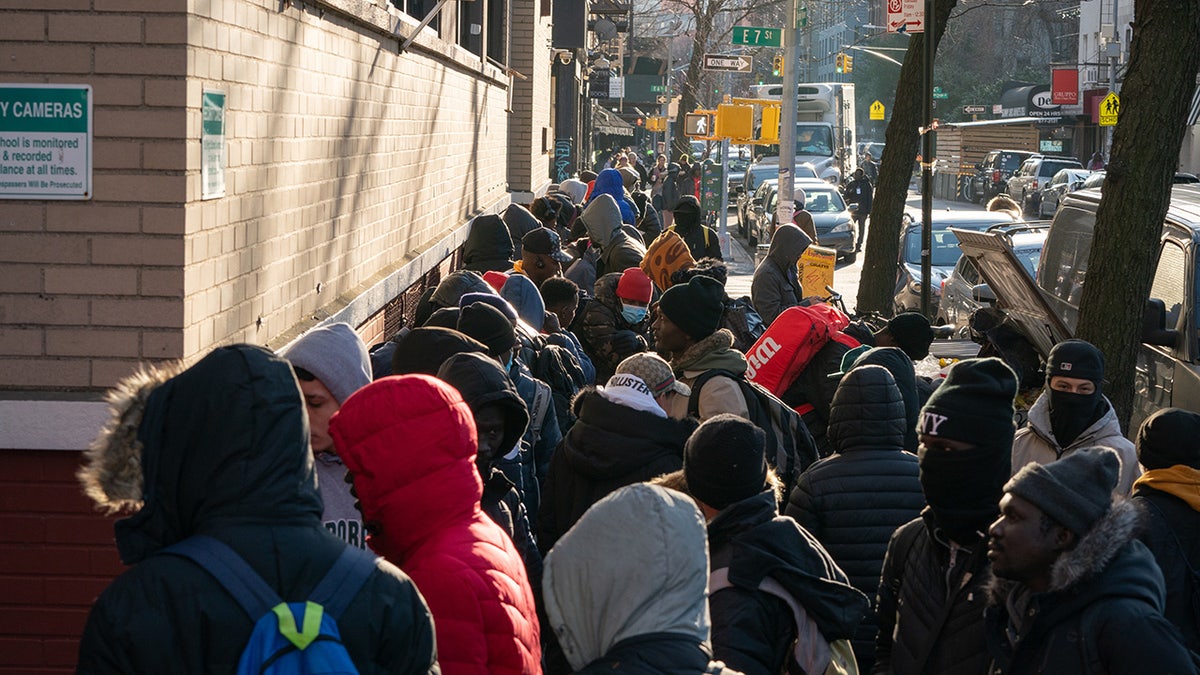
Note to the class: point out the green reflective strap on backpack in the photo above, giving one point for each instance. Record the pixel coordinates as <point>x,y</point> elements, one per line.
<point>312,623</point>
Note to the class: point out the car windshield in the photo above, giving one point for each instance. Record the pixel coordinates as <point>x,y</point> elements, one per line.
<point>813,140</point>
<point>823,201</point>
<point>1009,162</point>
<point>944,252</point>
<point>1028,257</point>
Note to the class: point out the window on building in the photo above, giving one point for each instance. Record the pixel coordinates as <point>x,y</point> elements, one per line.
<point>418,9</point>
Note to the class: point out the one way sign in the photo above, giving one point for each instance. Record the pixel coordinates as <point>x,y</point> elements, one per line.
<point>730,63</point>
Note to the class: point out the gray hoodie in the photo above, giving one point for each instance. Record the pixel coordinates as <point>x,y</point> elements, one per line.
<point>654,577</point>
<point>618,251</point>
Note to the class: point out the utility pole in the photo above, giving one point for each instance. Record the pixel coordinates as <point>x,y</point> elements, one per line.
<point>927,165</point>
<point>787,116</point>
<point>1114,53</point>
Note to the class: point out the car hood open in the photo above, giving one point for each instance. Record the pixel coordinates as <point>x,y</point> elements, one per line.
<point>1016,293</point>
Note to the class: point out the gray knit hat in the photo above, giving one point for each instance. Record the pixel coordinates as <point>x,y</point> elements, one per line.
<point>336,356</point>
<point>1074,491</point>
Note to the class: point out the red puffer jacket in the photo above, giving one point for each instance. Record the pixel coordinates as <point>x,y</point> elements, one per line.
<point>410,443</point>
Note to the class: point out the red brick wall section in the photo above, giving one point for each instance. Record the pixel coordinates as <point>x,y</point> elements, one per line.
<point>56,555</point>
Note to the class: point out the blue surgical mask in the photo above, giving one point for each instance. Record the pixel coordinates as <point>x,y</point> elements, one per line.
<point>632,313</point>
<point>508,362</point>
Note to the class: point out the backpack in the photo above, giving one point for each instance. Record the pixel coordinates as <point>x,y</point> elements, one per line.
<point>811,652</point>
<point>741,319</point>
<point>789,344</point>
<point>560,370</point>
<point>790,447</point>
<point>288,637</point>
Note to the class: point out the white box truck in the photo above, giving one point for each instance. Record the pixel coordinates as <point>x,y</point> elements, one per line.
<point>824,126</point>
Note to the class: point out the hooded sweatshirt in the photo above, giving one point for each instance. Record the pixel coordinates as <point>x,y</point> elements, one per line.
<point>618,251</point>
<point>1035,442</point>
<point>410,443</point>
<point>519,222</point>
<point>610,182</point>
<point>575,189</point>
<point>520,292</point>
<point>222,449</point>
<point>775,286</point>
<point>489,245</point>
<point>905,377</point>
<point>651,596</point>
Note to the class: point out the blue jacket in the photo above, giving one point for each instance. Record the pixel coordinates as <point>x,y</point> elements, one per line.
<point>609,183</point>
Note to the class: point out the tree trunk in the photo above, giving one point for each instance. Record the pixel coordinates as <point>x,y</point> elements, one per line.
<point>877,288</point>
<point>1154,103</point>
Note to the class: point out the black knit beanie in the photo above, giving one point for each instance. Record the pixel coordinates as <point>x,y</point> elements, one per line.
<point>912,333</point>
<point>696,307</point>
<point>963,487</point>
<point>724,461</point>
<point>1075,491</point>
<point>423,350</point>
<point>687,211</point>
<point>1168,438</point>
<point>489,326</point>
<point>1076,358</point>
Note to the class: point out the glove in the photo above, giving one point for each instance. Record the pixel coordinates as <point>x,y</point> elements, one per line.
<point>627,343</point>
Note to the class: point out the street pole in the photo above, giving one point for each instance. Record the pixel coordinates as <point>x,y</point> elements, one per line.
<point>666,109</point>
<point>723,231</point>
<point>927,168</point>
<point>787,117</point>
<point>1113,56</point>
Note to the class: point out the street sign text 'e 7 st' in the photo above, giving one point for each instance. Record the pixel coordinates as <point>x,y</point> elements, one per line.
<point>757,37</point>
<point>730,63</point>
<point>906,16</point>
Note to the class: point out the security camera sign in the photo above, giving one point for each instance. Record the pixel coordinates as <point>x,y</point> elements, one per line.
<point>45,141</point>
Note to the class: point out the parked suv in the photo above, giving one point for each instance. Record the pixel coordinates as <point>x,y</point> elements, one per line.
<point>991,176</point>
<point>1034,174</point>
<point>1168,370</point>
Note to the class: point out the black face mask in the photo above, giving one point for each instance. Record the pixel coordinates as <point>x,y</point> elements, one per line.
<point>964,487</point>
<point>1072,414</point>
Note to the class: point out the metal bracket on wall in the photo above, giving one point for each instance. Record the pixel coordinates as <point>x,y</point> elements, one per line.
<point>424,22</point>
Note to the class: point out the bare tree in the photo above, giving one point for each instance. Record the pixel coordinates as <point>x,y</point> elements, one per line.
<point>877,287</point>
<point>1158,88</point>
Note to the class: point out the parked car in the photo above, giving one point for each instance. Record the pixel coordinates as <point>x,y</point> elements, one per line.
<point>1025,185</point>
<point>944,254</point>
<point>1047,310</point>
<point>1096,179</point>
<point>762,169</point>
<point>831,217</point>
<point>1066,180</point>
<point>964,291</point>
<point>992,174</point>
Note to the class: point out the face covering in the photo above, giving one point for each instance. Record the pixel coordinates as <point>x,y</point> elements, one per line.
<point>1072,414</point>
<point>633,314</point>
<point>964,487</point>
<point>508,363</point>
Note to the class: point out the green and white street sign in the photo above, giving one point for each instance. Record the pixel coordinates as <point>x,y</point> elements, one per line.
<point>939,94</point>
<point>212,144</point>
<point>45,141</point>
<point>757,37</point>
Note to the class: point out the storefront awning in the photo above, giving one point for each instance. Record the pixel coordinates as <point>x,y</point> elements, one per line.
<point>605,122</point>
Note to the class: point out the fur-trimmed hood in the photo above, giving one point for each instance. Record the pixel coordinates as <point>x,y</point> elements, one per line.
<point>714,351</point>
<point>221,442</point>
<point>1090,557</point>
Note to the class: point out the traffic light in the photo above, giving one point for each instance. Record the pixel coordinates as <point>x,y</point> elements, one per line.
<point>777,65</point>
<point>641,121</point>
<point>839,63</point>
<point>848,63</point>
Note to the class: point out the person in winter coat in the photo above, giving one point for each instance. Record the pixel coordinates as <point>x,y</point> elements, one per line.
<point>649,225</point>
<point>801,218</point>
<point>228,452</point>
<point>625,587</point>
<point>489,245</point>
<point>542,256</point>
<point>701,240</point>
<point>670,195</point>
<point>423,350</point>
<point>448,292</point>
<point>500,420</point>
<point>1168,447</point>
<point>519,222</point>
<point>561,296</point>
<point>410,443</point>
<point>859,191</point>
<point>1073,413</point>
<point>669,392</point>
<point>610,182</point>
<point>618,251</point>
<point>687,326</point>
<point>622,437</point>
<point>854,500</point>
<point>575,189</point>
<point>763,566</point>
<point>615,323</point>
<point>900,367</point>
<point>776,286</point>
<point>1074,591</point>
<point>931,589</point>
<point>331,362</point>
<point>520,292</point>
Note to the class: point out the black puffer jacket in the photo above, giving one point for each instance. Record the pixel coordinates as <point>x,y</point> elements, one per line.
<point>611,446</point>
<point>603,325</point>
<point>931,598</point>
<point>753,630</point>
<point>489,245</point>
<point>853,501</point>
<point>901,368</point>
<point>228,456</point>
<point>1172,534</point>
<point>657,654</point>
<point>1102,612</point>
<point>701,240</point>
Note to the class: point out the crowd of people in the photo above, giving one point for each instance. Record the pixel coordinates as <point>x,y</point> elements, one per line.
<point>566,462</point>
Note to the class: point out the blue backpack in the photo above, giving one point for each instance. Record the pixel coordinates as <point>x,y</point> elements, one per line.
<point>288,637</point>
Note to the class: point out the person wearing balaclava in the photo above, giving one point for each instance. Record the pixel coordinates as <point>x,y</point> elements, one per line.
<point>1168,447</point>
<point>701,240</point>
<point>1073,413</point>
<point>931,591</point>
<point>776,285</point>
